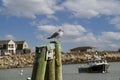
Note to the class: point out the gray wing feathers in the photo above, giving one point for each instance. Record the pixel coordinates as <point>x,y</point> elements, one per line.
<point>54,35</point>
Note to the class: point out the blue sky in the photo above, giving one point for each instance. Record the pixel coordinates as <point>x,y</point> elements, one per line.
<point>85,22</point>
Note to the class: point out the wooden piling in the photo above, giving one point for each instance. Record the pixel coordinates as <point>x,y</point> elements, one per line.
<point>47,63</point>
<point>39,67</point>
<point>50,70</point>
<point>58,62</point>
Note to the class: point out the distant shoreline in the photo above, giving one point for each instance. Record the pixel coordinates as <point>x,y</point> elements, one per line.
<point>27,60</point>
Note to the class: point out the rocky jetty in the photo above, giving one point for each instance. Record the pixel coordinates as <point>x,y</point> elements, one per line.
<point>83,57</point>
<point>16,61</point>
<point>27,60</point>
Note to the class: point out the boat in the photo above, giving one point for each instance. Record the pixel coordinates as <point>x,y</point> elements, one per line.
<point>96,65</point>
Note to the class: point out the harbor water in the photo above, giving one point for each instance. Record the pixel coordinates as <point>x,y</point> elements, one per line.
<point>70,72</point>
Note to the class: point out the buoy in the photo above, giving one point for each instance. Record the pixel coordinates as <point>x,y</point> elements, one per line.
<point>103,71</point>
<point>29,78</point>
<point>21,72</point>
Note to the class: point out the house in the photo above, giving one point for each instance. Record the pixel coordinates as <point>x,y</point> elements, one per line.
<point>22,47</point>
<point>7,47</point>
<point>83,49</point>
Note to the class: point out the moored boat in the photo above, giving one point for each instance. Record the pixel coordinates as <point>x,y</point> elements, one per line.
<point>95,65</point>
<point>98,66</point>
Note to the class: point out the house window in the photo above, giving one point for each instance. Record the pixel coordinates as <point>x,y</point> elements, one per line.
<point>4,46</point>
<point>1,46</point>
<point>10,46</point>
<point>25,46</point>
<point>10,51</point>
<point>19,46</point>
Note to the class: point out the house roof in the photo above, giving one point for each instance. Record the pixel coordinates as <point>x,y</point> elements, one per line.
<point>7,41</point>
<point>4,41</point>
<point>19,42</point>
<point>82,48</point>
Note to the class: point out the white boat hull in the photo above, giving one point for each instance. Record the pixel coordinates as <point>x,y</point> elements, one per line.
<point>94,69</point>
<point>99,68</point>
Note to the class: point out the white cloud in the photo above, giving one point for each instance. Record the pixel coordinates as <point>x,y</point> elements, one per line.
<point>74,30</point>
<point>72,33</point>
<point>9,37</point>
<point>92,8</point>
<point>52,17</point>
<point>29,8</point>
<point>111,36</point>
<point>48,28</point>
<point>76,34</point>
<point>116,21</point>
<point>79,8</point>
<point>70,30</point>
<point>109,40</point>
<point>87,38</point>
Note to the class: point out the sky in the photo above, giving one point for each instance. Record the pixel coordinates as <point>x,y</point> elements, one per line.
<point>93,23</point>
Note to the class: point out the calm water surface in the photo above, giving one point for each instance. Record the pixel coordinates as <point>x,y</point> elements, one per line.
<point>70,72</point>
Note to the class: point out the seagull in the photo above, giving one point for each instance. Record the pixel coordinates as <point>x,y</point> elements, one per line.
<point>57,34</point>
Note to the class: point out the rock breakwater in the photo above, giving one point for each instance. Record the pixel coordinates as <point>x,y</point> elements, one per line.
<point>27,60</point>
<point>82,57</point>
<point>16,61</point>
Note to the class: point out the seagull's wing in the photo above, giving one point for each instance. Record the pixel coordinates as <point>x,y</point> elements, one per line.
<point>54,35</point>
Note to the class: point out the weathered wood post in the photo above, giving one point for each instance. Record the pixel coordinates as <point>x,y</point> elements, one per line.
<point>50,69</point>
<point>47,62</point>
<point>39,64</point>
<point>58,62</point>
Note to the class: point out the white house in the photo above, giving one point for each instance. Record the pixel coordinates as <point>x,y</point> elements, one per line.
<point>7,47</point>
<point>22,47</point>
